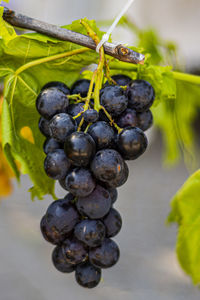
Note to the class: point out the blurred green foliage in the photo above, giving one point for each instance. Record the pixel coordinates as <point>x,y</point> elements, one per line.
<point>174,118</point>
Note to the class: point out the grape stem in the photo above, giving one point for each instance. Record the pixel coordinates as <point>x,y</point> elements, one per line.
<point>87,127</point>
<point>99,71</point>
<point>75,97</point>
<point>48,59</point>
<point>87,103</point>
<point>190,78</point>
<point>112,123</point>
<point>107,73</point>
<point>98,79</point>
<point>186,77</point>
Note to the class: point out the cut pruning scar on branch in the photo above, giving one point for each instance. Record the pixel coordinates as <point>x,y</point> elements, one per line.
<point>120,52</point>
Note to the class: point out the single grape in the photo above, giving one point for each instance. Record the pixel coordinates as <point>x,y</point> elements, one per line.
<point>81,87</point>
<point>74,109</point>
<point>51,235</point>
<point>120,79</point>
<point>127,118</point>
<point>106,255</point>
<point>56,164</point>
<point>96,205</point>
<point>79,182</point>
<point>62,216</point>
<point>140,95</point>
<point>91,115</point>
<point>87,275</point>
<point>51,145</point>
<point>62,125</point>
<point>114,100</point>
<point>102,134</point>
<point>44,127</point>
<point>120,179</point>
<point>75,252</point>
<point>145,120</point>
<point>57,84</point>
<point>113,223</point>
<point>132,143</point>
<point>107,165</point>
<point>113,194</point>
<point>90,232</point>
<point>50,102</point>
<point>80,148</point>
<point>60,262</point>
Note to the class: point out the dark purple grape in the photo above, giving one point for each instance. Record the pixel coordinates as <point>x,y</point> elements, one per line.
<point>103,117</point>
<point>87,275</point>
<point>81,87</point>
<point>106,255</point>
<point>90,232</point>
<point>57,84</point>
<point>102,134</point>
<point>107,165</point>
<point>44,127</point>
<point>79,182</point>
<point>96,205</point>
<point>50,102</point>
<point>80,148</point>
<point>74,251</point>
<point>128,118</point>
<point>113,194</point>
<point>56,164</point>
<point>114,100</point>
<point>140,95</point>
<point>75,109</point>
<point>113,223</point>
<point>60,262</point>
<point>62,216</point>
<point>62,183</point>
<point>69,198</point>
<point>62,125</point>
<point>120,79</point>
<point>91,115</point>
<point>51,145</point>
<point>120,179</point>
<point>51,235</point>
<point>131,143</point>
<point>145,120</point>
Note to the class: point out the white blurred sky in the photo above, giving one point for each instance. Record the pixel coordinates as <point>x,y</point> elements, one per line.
<point>178,20</point>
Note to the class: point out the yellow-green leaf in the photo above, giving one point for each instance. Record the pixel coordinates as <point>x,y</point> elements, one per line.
<point>186,212</point>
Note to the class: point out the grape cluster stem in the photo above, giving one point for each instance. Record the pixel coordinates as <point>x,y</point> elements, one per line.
<point>97,78</point>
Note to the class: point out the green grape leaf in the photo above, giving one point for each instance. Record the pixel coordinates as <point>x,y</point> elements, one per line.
<point>149,39</point>
<point>186,212</point>
<point>174,119</point>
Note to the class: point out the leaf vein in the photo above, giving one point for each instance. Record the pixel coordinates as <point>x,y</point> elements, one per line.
<point>27,86</point>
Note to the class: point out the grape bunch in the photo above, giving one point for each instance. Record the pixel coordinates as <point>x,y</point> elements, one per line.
<point>89,163</point>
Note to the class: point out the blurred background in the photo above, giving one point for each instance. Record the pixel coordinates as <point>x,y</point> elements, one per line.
<point>148,268</point>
